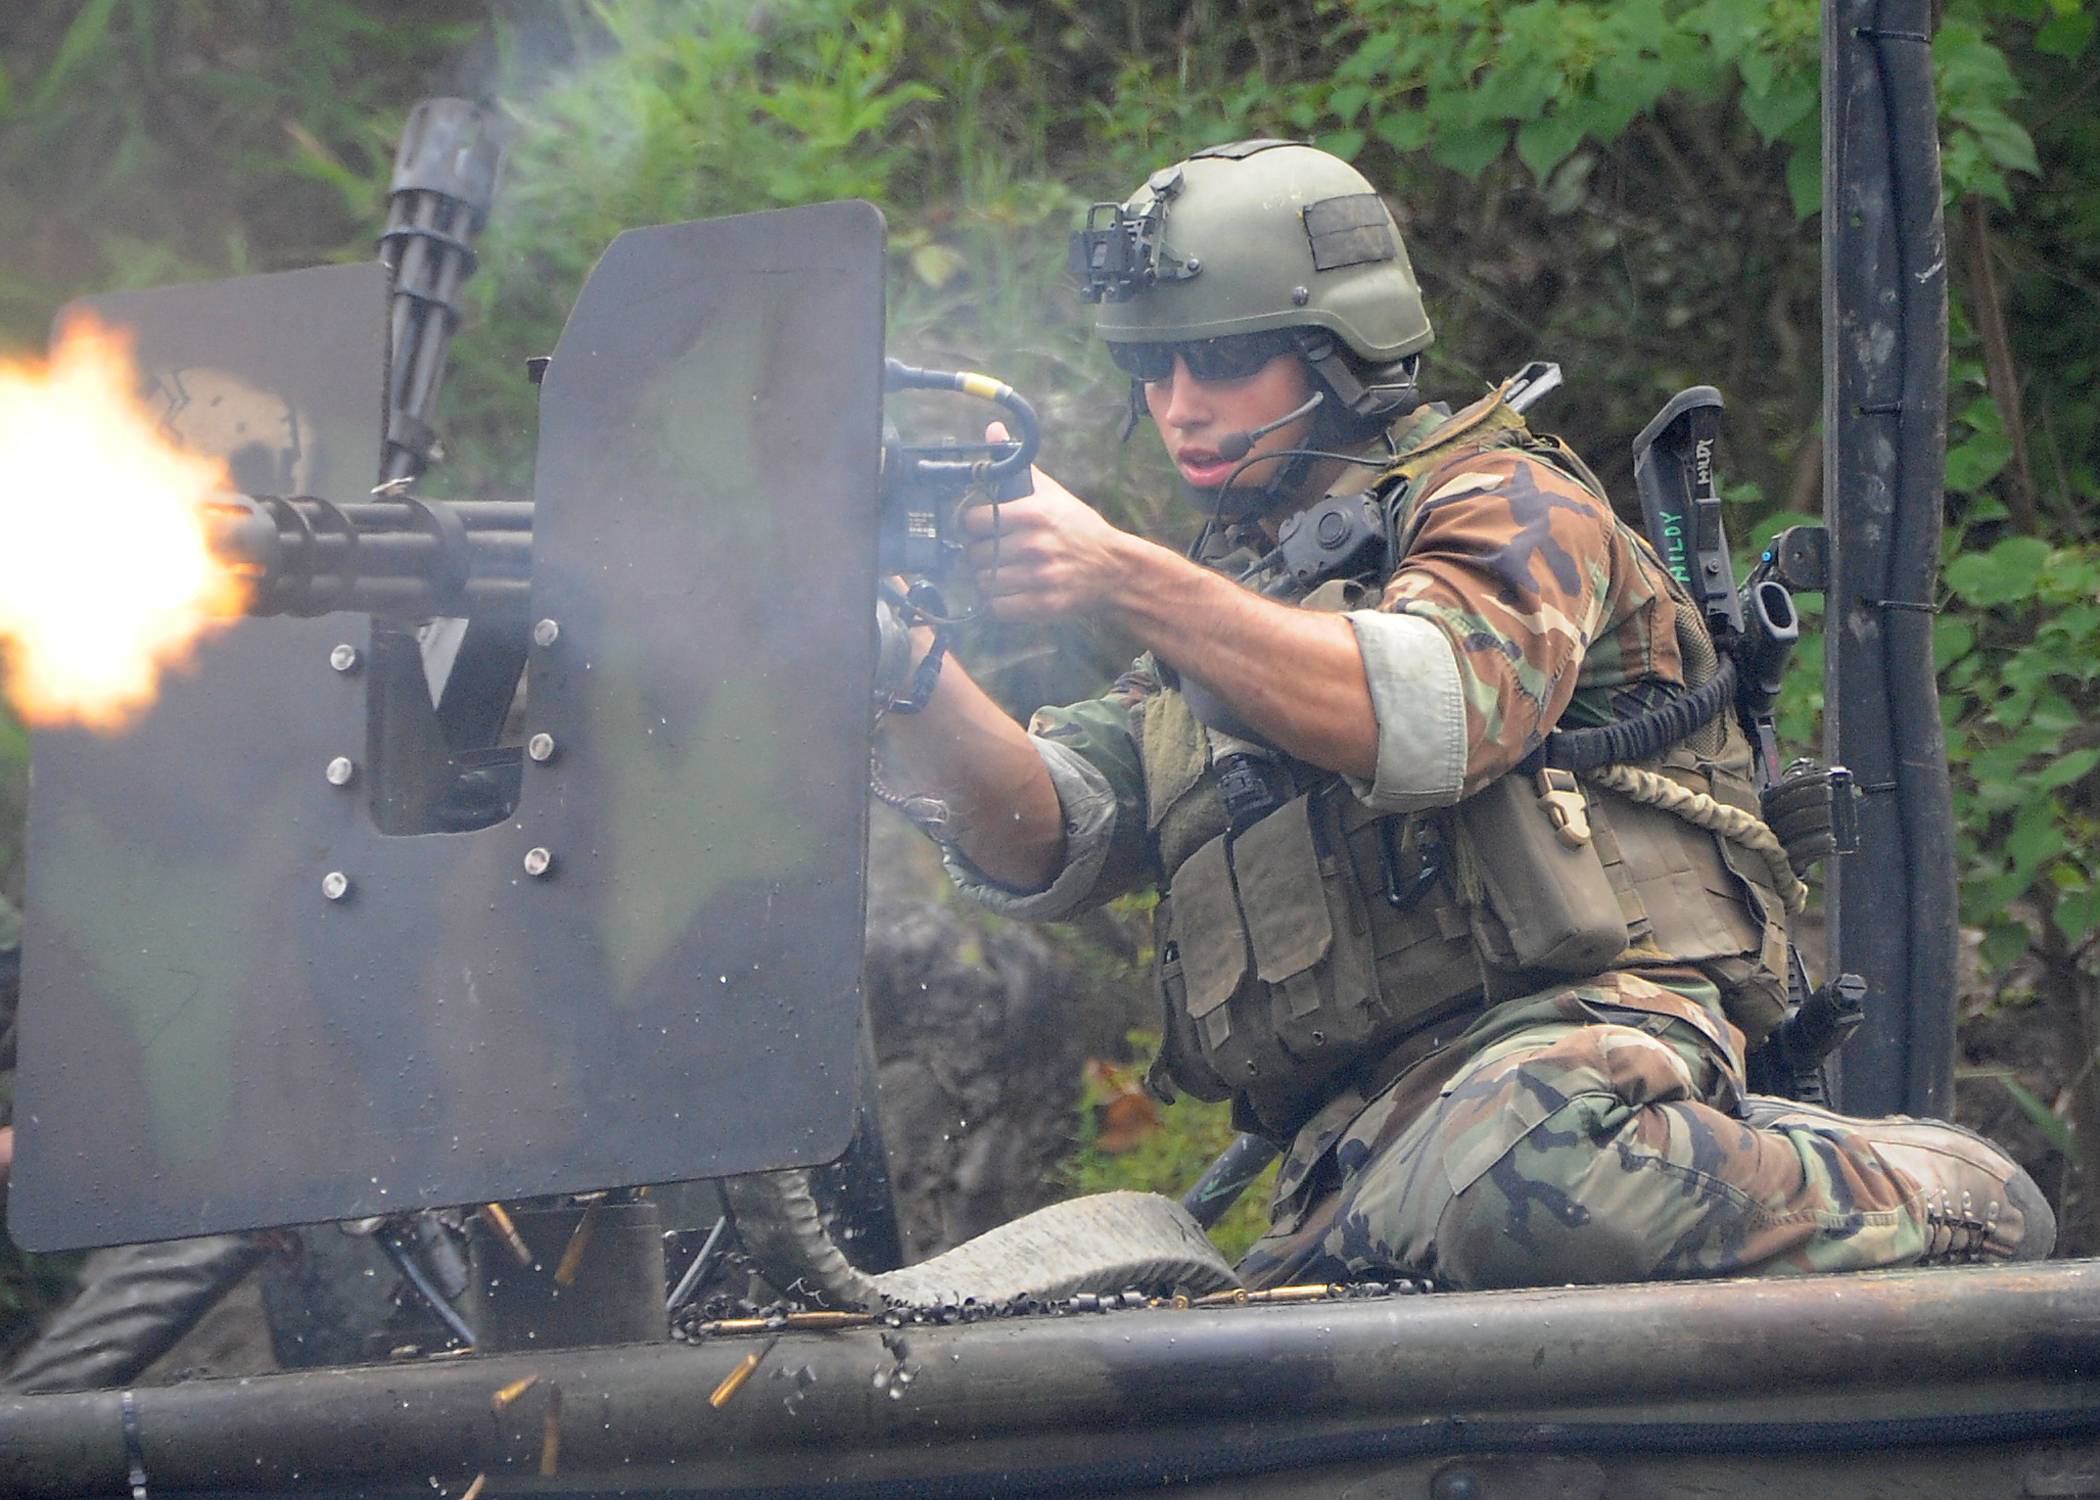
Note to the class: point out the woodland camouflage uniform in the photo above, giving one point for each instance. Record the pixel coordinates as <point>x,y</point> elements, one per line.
<point>1498,1018</point>
<point>1586,1133</point>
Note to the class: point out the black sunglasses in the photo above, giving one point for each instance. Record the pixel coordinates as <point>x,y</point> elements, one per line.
<point>1234,357</point>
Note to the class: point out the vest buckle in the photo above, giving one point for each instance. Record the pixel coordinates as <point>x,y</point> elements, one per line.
<point>1564,806</point>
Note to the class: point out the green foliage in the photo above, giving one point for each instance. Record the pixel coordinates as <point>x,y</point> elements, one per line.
<point>1981,142</point>
<point>1167,1159</point>
<point>1466,81</point>
<point>2018,671</point>
<point>146,141</point>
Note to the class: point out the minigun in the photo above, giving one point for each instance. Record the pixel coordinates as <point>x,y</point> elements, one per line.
<point>408,557</point>
<point>404,557</point>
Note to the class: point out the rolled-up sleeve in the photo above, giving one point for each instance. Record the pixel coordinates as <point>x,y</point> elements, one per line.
<point>1419,702</point>
<point>1090,814</point>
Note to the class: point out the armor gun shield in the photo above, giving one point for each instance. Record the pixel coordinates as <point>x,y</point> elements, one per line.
<point>251,1006</point>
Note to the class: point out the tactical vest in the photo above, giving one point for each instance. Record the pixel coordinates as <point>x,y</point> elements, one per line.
<point>1298,954</point>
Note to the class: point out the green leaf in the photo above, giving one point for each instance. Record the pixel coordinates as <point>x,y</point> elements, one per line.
<point>2076,915</point>
<point>1966,170</point>
<point>2002,944</point>
<point>81,38</point>
<point>2066,770</point>
<point>1404,130</point>
<point>1791,100</point>
<point>1342,143</point>
<point>2044,1119</point>
<point>2005,573</point>
<point>1952,639</point>
<point>2037,836</point>
<point>1470,150</point>
<point>1976,462</point>
<point>2065,34</point>
<point>2004,139</point>
<point>1549,140</point>
<point>1804,168</point>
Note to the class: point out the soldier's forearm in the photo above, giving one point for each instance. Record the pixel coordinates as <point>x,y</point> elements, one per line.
<point>963,750</point>
<point>1295,675</point>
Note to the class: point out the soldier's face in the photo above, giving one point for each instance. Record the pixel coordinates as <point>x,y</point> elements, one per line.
<point>1195,416</point>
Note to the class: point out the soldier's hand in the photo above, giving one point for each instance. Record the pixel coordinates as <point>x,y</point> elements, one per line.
<point>1047,556</point>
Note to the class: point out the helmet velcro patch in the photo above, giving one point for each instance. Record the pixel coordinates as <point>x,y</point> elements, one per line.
<point>1352,230</point>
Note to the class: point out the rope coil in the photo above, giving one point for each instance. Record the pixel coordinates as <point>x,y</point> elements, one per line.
<point>1652,789</point>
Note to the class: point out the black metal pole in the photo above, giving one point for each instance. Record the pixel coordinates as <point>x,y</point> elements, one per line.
<point>1892,906</point>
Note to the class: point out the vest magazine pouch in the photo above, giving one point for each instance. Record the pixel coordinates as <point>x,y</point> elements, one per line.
<point>1547,906</point>
<point>1181,1060</point>
<point>1279,878</point>
<point>1212,941</point>
<point>1309,931</point>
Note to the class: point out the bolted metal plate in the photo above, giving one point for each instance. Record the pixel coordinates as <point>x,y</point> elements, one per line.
<point>245,1006</point>
<point>155,987</point>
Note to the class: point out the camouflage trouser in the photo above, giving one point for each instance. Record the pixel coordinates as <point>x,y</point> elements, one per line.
<point>1586,1134</point>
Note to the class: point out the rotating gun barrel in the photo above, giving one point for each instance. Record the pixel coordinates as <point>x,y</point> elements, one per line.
<point>400,557</point>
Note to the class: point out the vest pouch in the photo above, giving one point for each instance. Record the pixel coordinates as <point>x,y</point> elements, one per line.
<point>1542,905</point>
<point>1310,934</point>
<point>1181,1061</point>
<point>1421,941</point>
<point>1217,992</point>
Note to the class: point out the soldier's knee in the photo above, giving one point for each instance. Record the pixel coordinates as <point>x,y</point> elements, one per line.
<point>1559,1206</point>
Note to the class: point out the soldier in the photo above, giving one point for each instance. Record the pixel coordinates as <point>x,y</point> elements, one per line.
<point>1497,1016</point>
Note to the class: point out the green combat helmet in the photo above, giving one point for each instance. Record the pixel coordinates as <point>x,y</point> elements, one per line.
<point>1258,236</point>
